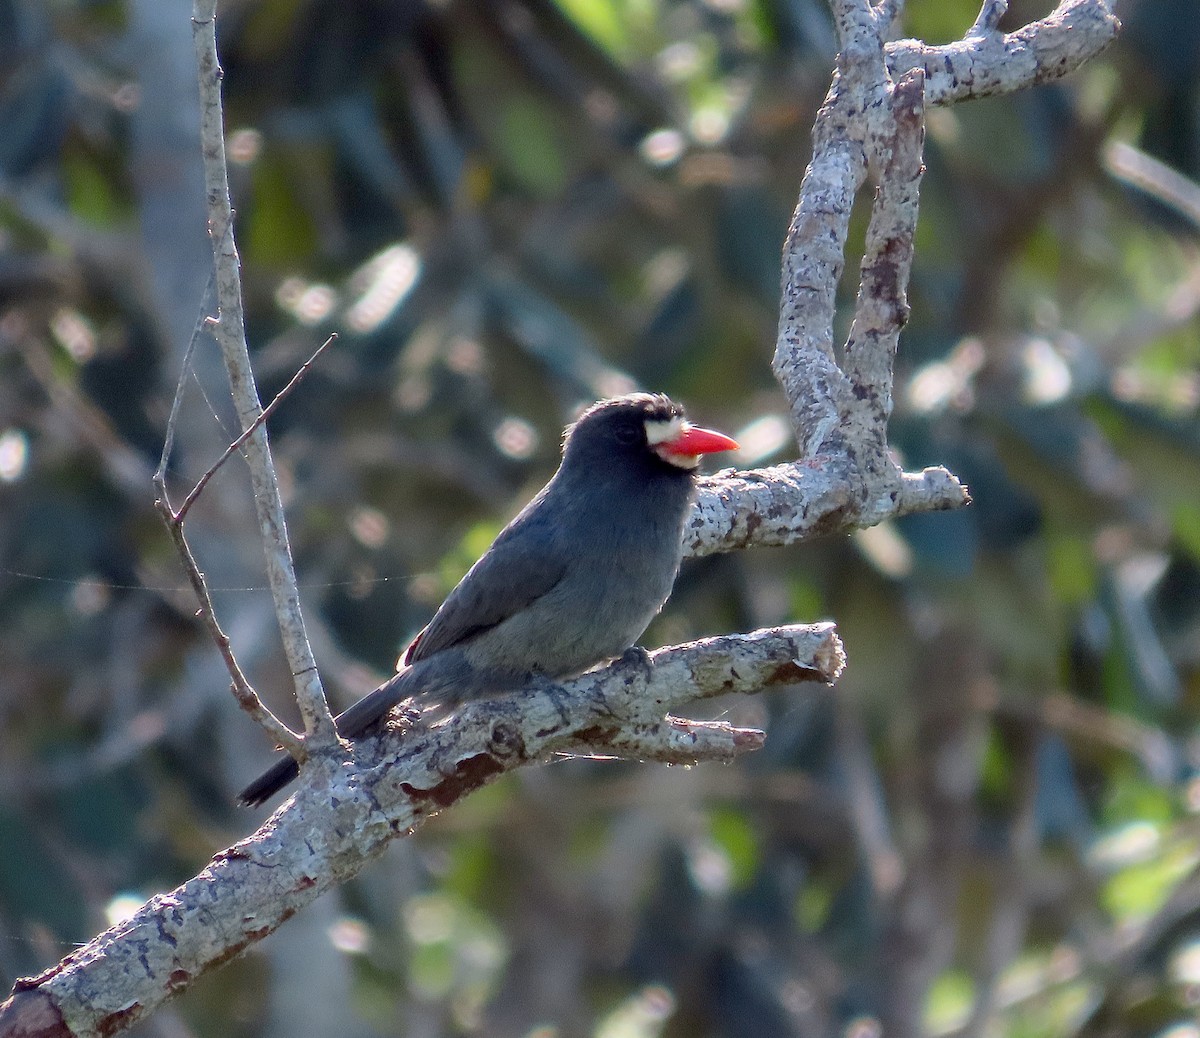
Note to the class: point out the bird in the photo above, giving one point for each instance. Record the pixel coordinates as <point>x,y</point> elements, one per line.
<point>572,581</point>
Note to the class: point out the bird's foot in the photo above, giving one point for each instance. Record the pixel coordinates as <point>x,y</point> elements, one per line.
<point>634,667</point>
<point>637,660</point>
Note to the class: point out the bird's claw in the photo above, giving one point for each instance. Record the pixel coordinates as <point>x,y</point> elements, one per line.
<point>638,659</point>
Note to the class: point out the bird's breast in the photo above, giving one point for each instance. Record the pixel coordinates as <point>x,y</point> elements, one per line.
<point>618,572</point>
<point>617,584</point>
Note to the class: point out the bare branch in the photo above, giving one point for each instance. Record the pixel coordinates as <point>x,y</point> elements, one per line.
<point>269,410</point>
<point>230,333</point>
<point>242,690</point>
<point>840,410</point>
<point>1136,168</point>
<point>882,307</point>
<point>247,698</point>
<point>164,460</point>
<point>676,740</point>
<point>813,260</point>
<point>989,18</point>
<point>887,13</point>
<point>345,813</point>
<point>988,62</point>
<point>786,504</point>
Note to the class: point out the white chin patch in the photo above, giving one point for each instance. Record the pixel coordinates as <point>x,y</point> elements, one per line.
<point>681,461</point>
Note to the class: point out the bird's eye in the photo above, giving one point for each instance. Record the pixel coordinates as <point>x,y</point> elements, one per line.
<point>627,435</point>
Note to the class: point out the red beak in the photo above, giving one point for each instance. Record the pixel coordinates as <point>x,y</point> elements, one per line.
<point>695,441</point>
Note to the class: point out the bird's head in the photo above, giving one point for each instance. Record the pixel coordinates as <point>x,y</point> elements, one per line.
<point>639,430</point>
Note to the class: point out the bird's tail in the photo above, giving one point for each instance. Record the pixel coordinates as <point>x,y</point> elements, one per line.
<point>269,782</point>
<point>356,721</point>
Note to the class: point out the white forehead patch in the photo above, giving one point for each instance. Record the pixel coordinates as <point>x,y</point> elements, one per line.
<point>663,430</point>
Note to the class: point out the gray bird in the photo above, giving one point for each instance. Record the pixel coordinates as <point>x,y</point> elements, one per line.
<point>573,580</point>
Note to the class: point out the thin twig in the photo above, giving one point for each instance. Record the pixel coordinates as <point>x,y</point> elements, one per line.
<point>242,689</point>
<point>204,321</point>
<point>269,410</point>
<point>1161,182</point>
<point>244,693</point>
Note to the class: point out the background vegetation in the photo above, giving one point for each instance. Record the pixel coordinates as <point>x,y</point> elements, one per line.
<point>509,207</point>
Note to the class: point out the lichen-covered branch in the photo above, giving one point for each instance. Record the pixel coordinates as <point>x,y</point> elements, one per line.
<point>987,61</point>
<point>882,307</point>
<point>786,504</point>
<point>345,813</point>
<point>871,124</point>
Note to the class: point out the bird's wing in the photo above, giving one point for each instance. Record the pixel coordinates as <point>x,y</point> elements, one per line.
<point>519,568</point>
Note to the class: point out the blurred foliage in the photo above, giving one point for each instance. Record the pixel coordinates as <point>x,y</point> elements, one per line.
<point>507,208</point>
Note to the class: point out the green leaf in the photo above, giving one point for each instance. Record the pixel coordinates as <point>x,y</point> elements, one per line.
<point>621,27</point>
<point>278,229</point>
<point>1139,891</point>
<point>734,835</point>
<point>90,196</point>
<point>813,905</point>
<point>1072,567</point>
<point>531,146</point>
<point>950,999</point>
<point>1185,524</point>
